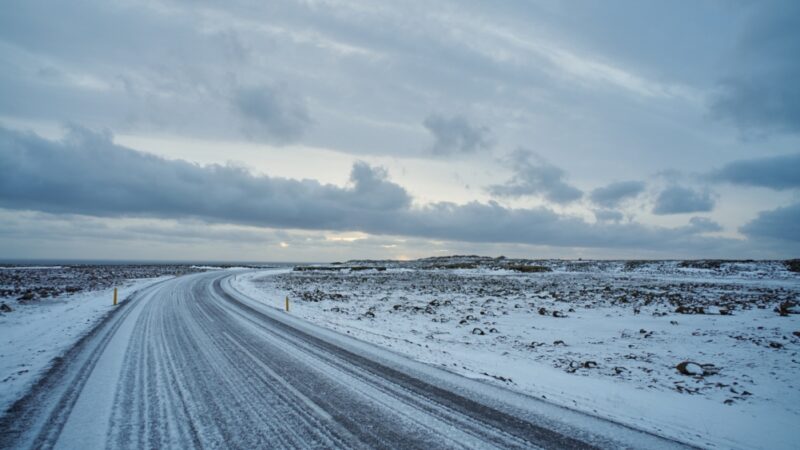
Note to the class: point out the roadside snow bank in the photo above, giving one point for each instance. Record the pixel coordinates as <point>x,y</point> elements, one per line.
<point>602,342</point>
<point>36,332</point>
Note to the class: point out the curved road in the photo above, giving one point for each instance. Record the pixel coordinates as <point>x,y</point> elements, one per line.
<point>193,363</point>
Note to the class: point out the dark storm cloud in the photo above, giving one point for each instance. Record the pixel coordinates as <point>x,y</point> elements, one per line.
<point>272,112</point>
<point>87,174</point>
<point>613,194</point>
<point>535,176</point>
<point>761,91</point>
<point>774,172</point>
<point>780,224</point>
<point>456,135</point>
<point>678,200</point>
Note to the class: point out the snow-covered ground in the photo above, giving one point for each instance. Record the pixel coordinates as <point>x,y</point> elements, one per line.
<point>602,338</point>
<point>36,332</point>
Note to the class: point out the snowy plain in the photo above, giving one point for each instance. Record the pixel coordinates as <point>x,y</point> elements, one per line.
<point>34,333</point>
<point>604,339</point>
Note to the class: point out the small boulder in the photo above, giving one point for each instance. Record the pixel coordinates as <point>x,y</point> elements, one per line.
<point>694,369</point>
<point>478,331</point>
<point>786,308</point>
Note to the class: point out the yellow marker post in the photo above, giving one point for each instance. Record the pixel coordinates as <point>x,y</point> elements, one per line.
<point>287,303</point>
<point>115,296</point>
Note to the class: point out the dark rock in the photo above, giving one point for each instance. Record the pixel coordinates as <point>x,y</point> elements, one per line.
<point>690,310</point>
<point>786,308</point>
<point>694,369</point>
<point>529,269</point>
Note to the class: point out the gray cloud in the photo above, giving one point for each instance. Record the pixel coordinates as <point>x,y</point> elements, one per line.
<point>371,189</point>
<point>761,91</point>
<point>272,112</point>
<point>58,227</point>
<point>535,176</point>
<point>480,222</point>
<point>456,135</point>
<point>678,200</point>
<point>704,225</point>
<point>774,172</point>
<point>608,215</point>
<point>780,224</point>
<point>615,193</point>
<point>88,174</point>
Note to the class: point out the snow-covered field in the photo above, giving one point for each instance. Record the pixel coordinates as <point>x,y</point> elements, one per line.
<point>601,337</point>
<point>30,283</point>
<point>34,332</point>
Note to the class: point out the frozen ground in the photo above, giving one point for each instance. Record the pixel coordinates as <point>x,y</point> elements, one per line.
<point>35,331</point>
<point>601,337</point>
<point>193,362</point>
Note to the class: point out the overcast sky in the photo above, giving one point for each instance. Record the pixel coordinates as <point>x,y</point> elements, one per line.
<point>330,130</point>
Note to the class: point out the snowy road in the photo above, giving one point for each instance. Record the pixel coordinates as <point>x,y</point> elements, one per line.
<point>193,363</point>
